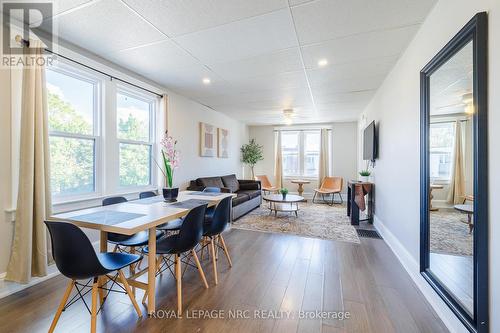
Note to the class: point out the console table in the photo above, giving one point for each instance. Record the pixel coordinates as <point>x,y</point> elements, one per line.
<point>367,189</point>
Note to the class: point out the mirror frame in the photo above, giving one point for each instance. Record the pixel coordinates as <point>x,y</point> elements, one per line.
<point>476,30</point>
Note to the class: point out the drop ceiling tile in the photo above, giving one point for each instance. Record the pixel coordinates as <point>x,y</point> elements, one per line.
<point>105,27</point>
<point>287,80</point>
<point>242,39</point>
<point>359,47</point>
<point>353,84</point>
<point>327,19</point>
<point>323,96</point>
<point>179,17</point>
<point>267,64</point>
<point>189,81</point>
<point>350,71</point>
<point>164,55</point>
<point>284,97</point>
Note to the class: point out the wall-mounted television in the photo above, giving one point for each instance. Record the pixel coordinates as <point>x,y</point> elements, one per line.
<point>370,145</point>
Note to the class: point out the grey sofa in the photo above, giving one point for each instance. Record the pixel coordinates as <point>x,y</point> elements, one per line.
<point>248,192</point>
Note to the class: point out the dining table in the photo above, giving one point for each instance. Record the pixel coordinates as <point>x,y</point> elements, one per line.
<point>134,216</point>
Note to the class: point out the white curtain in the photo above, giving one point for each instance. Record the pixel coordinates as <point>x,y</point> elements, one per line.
<point>324,156</point>
<point>29,253</point>
<point>457,181</point>
<point>278,161</point>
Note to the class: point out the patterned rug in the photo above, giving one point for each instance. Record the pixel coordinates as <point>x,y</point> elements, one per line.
<point>314,220</point>
<point>448,234</point>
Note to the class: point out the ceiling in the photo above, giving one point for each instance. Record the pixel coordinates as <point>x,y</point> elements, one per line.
<point>451,84</point>
<point>261,56</point>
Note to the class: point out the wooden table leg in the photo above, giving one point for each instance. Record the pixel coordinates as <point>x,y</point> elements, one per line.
<point>151,270</point>
<point>103,244</point>
<point>301,189</point>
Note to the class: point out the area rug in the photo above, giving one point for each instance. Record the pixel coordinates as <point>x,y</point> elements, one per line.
<point>314,220</point>
<point>448,233</point>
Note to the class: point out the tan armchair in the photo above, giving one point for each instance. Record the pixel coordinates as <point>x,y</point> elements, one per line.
<point>266,184</point>
<point>330,185</point>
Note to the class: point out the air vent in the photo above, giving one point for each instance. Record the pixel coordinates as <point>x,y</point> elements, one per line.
<point>368,233</point>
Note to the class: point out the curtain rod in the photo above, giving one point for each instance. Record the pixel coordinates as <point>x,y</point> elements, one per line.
<point>26,43</point>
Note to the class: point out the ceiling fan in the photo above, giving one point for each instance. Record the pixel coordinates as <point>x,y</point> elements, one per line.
<point>466,102</point>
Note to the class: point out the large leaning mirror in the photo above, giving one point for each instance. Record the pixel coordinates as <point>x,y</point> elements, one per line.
<point>454,212</point>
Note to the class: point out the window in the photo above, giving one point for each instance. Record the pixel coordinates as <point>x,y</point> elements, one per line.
<point>300,151</point>
<point>442,137</point>
<point>72,111</point>
<point>101,135</point>
<point>134,118</point>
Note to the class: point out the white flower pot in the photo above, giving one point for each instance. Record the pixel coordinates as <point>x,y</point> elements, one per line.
<point>364,178</point>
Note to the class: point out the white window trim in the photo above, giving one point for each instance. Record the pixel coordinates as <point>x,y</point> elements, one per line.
<point>153,116</point>
<point>97,81</point>
<point>301,157</point>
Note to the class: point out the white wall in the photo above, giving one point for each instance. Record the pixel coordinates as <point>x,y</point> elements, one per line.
<point>395,107</point>
<point>184,117</point>
<point>344,153</point>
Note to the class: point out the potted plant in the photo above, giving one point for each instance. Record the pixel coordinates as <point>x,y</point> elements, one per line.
<point>365,175</point>
<point>284,192</point>
<point>251,153</point>
<point>170,157</point>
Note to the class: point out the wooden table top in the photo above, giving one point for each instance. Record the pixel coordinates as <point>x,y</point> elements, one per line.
<point>300,181</point>
<point>465,208</point>
<point>134,216</point>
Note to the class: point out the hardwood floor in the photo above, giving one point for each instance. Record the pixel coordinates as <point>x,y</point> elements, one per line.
<point>271,272</point>
<point>457,274</point>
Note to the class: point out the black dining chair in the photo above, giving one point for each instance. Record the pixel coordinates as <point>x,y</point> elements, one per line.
<point>76,259</point>
<point>147,194</point>
<point>181,246</point>
<point>213,227</point>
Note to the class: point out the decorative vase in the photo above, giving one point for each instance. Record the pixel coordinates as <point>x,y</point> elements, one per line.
<point>284,196</point>
<point>170,194</point>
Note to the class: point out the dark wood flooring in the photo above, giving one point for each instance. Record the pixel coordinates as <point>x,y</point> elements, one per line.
<point>273,272</point>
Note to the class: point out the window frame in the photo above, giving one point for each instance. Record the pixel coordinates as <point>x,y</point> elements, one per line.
<point>301,133</point>
<point>122,89</point>
<point>96,136</point>
<point>441,180</point>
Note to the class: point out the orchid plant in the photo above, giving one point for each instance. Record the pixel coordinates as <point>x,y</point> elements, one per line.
<point>170,158</point>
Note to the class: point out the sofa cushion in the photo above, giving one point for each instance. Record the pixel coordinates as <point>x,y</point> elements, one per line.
<point>210,182</point>
<point>251,193</point>
<point>231,182</point>
<point>240,198</point>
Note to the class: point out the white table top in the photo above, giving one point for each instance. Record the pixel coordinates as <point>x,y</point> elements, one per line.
<point>134,216</point>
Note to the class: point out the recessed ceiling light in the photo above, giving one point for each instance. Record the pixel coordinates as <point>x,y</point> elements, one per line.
<point>206,80</point>
<point>322,62</point>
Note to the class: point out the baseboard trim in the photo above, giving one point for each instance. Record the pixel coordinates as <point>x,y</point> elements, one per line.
<point>412,267</point>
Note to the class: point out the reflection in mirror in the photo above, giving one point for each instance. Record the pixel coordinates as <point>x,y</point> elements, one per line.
<point>451,173</point>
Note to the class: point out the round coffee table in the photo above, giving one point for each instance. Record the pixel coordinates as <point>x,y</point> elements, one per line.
<point>469,210</point>
<point>279,204</point>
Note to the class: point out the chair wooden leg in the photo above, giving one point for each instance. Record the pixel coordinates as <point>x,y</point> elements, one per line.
<point>61,305</point>
<point>200,269</point>
<point>214,261</point>
<point>224,247</point>
<point>93,319</point>
<point>314,196</point>
<point>129,292</point>
<point>132,268</point>
<point>178,278</point>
